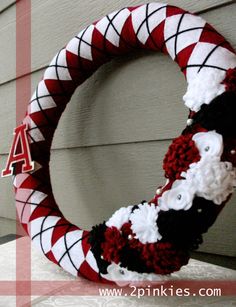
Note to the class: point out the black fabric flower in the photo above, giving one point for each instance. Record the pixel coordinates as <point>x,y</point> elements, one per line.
<point>130,259</point>
<point>185,227</point>
<point>95,239</point>
<point>219,115</point>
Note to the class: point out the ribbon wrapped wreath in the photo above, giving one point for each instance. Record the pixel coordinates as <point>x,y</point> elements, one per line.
<point>150,240</point>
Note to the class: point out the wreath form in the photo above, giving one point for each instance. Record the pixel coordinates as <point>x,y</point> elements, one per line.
<point>153,239</point>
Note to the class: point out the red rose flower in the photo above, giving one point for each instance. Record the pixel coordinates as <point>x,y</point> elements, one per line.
<point>230,80</point>
<point>114,242</point>
<point>181,153</point>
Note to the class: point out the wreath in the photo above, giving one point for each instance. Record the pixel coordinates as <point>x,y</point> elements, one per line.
<point>150,240</point>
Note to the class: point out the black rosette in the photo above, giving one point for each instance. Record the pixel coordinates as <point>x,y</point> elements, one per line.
<point>184,228</point>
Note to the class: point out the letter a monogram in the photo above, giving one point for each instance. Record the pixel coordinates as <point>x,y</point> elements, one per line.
<point>20,143</point>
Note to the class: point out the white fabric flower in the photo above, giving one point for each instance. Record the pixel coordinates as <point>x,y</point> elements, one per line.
<point>204,88</point>
<point>213,179</point>
<point>143,223</point>
<point>209,143</point>
<point>179,197</point>
<point>120,217</point>
<point>123,277</point>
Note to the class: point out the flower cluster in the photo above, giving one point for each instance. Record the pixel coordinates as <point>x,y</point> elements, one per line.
<point>137,244</point>
<point>149,240</point>
<point>210,177</point>
<point>160,257</point>
<point>142,220</point>
<point>230,80</point>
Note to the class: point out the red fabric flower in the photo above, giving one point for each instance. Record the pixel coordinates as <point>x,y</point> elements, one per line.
<point>112,247</point>
<point>163,258</point>
<point>181,153</point>
<point>230,80</point>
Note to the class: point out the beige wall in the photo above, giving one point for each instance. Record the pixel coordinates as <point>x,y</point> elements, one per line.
<point>110,143</point>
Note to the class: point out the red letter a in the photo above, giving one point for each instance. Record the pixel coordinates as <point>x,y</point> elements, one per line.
<point>20,139</point>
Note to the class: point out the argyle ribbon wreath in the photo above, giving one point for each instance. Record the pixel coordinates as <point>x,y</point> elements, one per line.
<point>150,240</point>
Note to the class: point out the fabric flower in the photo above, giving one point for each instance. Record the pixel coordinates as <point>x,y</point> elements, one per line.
<point>131,260</point>
<point>204,88</point>
<point>95,239</point>
<point>120,217</point>
<point>219,115</point>
<point>181,153</point>
<point>164,257</point>
<point>209,143</point>
<point>179,197</point>
<point>230,80</point>
<point>184,228</point>
<point>112,247</point>
<point>143,223</point>
<point>213,179</point>
<point>123,277</point>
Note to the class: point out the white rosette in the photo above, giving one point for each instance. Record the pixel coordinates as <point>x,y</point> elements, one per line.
<point>120,217</point>
<point>179,197</point>
<point>143,223</point>
<point>123,277</point>
<point>212,179</point>
<point>209,143</point>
